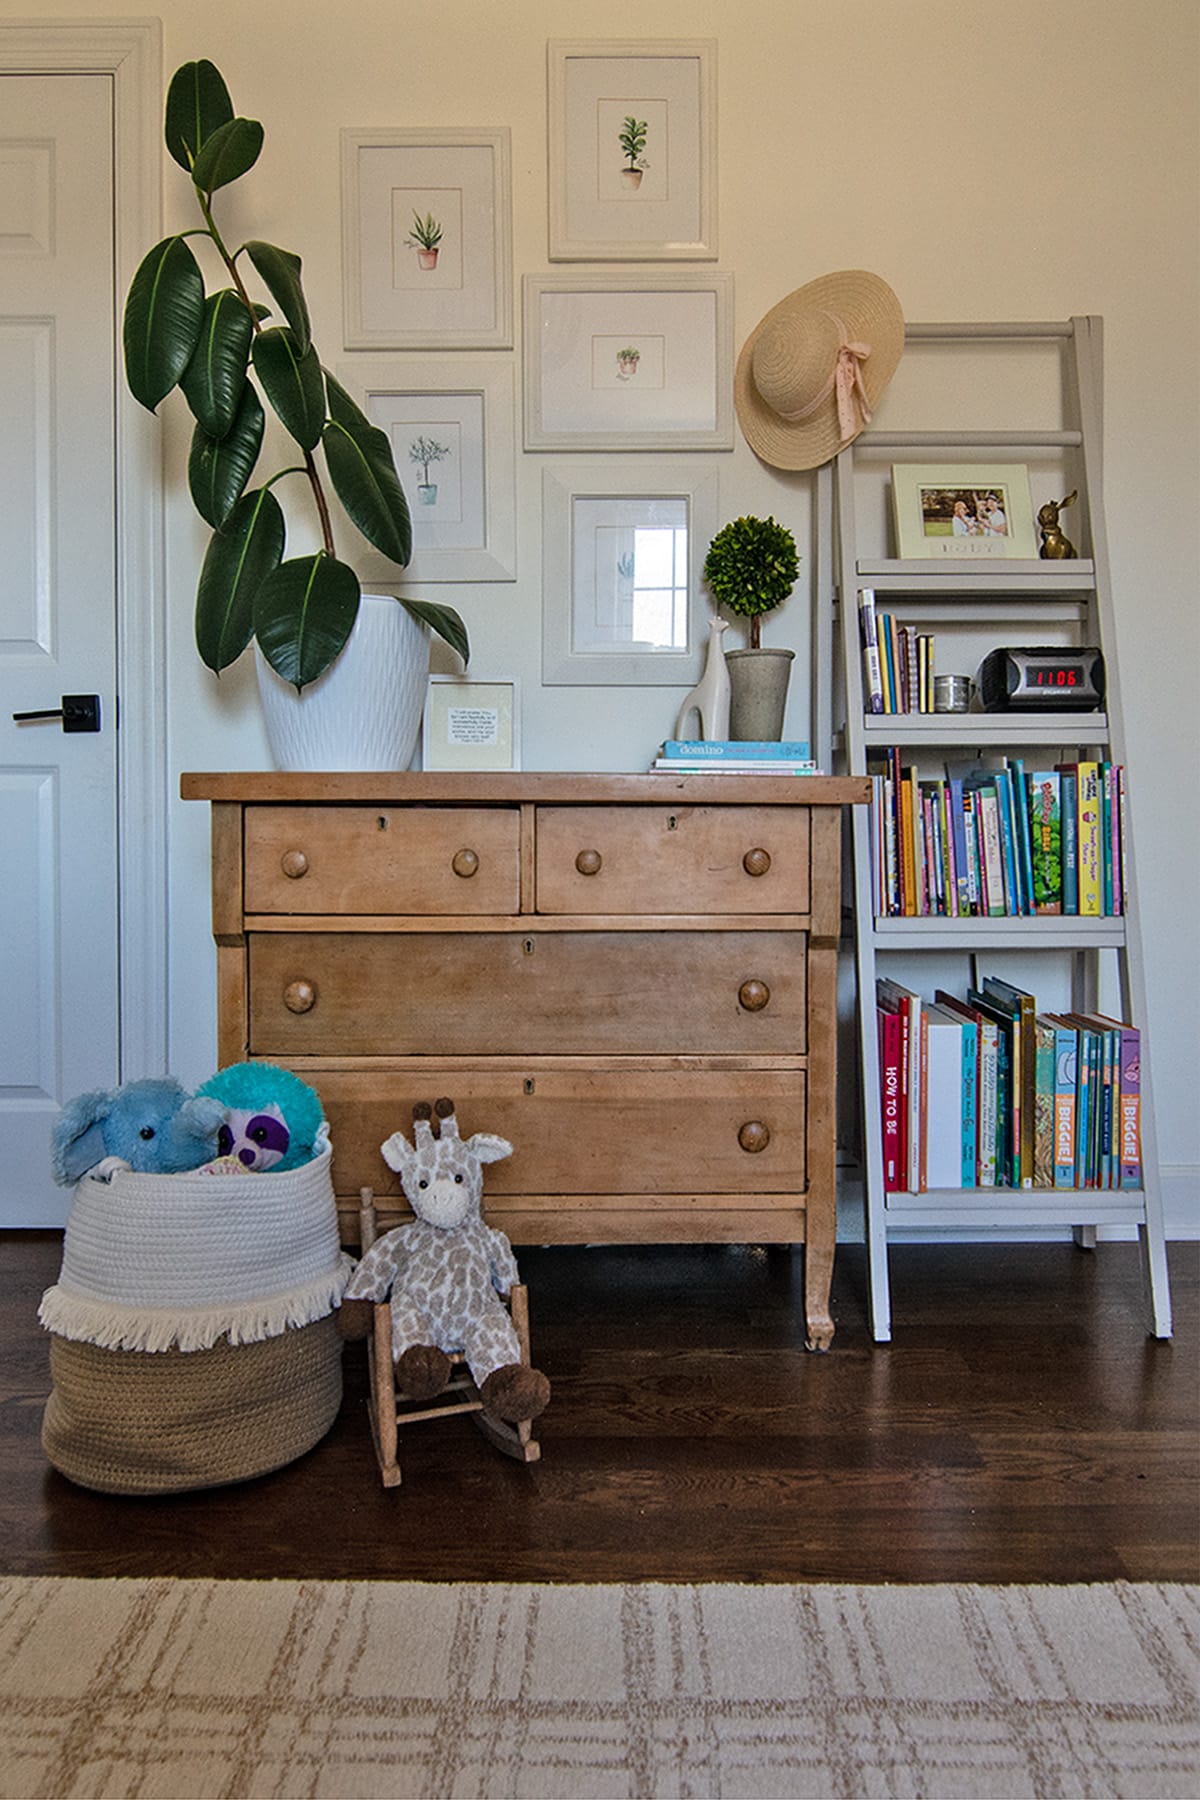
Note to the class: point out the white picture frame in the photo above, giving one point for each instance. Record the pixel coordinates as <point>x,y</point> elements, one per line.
<point>580,394</point>
<point>927,496</point>
<point>471,725</point>
<point>590,511</point>
<point>393,296</point>
<point>624,194</point>
<point>465,411</point>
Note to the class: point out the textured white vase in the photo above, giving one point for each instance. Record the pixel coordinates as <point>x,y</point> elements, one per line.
<point>365,711</point>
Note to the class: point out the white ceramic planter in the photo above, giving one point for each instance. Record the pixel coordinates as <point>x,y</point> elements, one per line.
<point>364,712</point>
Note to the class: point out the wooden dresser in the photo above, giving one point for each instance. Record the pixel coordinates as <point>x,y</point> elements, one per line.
<point>631,977</point>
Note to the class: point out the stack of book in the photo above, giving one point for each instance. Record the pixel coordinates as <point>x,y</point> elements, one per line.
<point>991,1092</point>
<point>994,839</point>
<point>897,661</point>
<point>734,756</point>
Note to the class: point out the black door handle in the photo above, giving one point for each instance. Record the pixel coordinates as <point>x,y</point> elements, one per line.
<point>78,712</point>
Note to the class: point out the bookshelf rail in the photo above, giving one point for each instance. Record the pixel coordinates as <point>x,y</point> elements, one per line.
<point>1019,599</point>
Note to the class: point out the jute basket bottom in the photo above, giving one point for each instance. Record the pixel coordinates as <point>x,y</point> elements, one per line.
<point>138,1422</point>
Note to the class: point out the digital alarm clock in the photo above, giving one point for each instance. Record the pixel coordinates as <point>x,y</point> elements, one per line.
<point>1045,679</point>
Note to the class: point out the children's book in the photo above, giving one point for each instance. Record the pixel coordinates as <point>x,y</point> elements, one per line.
<point>1045,837</point>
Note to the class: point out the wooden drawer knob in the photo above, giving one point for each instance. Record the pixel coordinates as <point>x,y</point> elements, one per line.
<point>294,864</point>
<point>754,995</point>
<point>588,862</point>
<point>300,996</point>
<point>754,1136</point>
<point>465,863</point>
<point>757,861</point>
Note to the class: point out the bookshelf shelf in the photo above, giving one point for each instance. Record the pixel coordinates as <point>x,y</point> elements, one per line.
<point>1019,600</point>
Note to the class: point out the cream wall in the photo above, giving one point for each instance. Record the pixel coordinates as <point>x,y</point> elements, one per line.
<point>991,163</point>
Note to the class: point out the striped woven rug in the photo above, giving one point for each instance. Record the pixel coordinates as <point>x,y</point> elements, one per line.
<point>341,1689</point>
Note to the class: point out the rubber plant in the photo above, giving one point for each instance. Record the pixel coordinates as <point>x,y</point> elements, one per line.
<point>751,568</point>
<point>220,348</point>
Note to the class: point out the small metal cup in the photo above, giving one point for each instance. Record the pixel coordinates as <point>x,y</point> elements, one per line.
<point>951,693</point>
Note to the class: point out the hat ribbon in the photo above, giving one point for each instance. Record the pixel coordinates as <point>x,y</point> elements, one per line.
<point>853,408</point>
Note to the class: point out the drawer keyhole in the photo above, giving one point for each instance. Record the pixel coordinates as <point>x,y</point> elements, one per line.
<point>528,946</point>
<point>528,1084</point>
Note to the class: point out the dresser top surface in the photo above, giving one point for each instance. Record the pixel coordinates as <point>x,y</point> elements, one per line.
<point>542,786</point>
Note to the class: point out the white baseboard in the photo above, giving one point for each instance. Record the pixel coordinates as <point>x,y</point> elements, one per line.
<point>1181,1216</point>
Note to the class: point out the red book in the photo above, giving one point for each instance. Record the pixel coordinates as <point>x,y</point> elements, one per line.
<point>891,1099</point>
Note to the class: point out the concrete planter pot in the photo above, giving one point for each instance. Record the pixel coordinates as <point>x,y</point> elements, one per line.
<point>758,686</point>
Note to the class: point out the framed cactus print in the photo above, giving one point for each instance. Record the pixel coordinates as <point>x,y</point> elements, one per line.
<point>632,151</point>
<point>427,239</point>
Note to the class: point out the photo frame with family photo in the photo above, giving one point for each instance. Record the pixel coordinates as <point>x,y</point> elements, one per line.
<point>963,511</point>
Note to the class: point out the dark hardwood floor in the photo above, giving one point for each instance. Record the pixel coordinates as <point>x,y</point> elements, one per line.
<point>1020,1427</point>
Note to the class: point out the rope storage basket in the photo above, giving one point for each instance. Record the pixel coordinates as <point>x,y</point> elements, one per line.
<point>192,1333</point>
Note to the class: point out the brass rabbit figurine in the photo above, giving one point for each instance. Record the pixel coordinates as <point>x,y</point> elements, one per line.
<point>1055,543</point>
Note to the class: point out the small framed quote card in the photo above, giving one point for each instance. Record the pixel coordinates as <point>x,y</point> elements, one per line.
<point>471,724</point>
<point>964,510</point>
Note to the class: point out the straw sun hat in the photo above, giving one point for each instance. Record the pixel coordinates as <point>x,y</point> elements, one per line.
<point>813,370</point>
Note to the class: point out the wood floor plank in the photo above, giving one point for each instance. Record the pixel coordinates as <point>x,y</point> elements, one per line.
<point>1020,1427</point>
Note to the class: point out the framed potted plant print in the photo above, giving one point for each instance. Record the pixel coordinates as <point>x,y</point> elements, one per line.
<point>427,240</point>
<point>628,362</point>
<point>450,424</point>
<point>632,151</point>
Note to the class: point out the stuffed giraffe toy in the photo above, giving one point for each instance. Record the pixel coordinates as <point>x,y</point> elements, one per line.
<point>444,1272</point>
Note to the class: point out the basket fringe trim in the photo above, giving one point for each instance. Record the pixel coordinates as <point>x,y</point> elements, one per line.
<point>113,1326</point>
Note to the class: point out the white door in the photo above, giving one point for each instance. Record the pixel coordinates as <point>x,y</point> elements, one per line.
<point>59,984</point>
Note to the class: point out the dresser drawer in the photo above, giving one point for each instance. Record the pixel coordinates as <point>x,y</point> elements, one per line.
<point>579,1133</point>
<point>520,994</point>
<point>364,859</point>
<point>687,859</point>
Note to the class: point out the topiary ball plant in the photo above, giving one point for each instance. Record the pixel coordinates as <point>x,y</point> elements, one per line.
<point>751,568</point>
<point>209,345</point>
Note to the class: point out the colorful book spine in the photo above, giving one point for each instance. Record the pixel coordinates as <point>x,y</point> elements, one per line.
<point>750,749</point>
<point>1045,837</point>
<point>1043,1126</point>
<point>1068,790</point>
<point>1088,815</point>
<point>891,1098</point>
<point>868,630</point>
<point>1066,1078</point>
<point>970,1105</point>
<point>1130,1109</point>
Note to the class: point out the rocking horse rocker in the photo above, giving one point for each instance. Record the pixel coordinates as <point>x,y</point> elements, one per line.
<point>429,1295</point>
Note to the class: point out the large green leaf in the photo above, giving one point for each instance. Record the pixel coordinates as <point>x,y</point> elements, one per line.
<point>163,315</point>
<point>303,613</point>
<point>364,475</point>
<point>219,468</point>
<point>198,104</point>
<point>445,621</point>
<point>281,272</point>
<point>292,382</point>
<point>232,149</point>
<point>216,375</point>
<point>239,560</point>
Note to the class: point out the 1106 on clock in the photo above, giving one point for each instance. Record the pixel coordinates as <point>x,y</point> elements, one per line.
<point>1043,679</point>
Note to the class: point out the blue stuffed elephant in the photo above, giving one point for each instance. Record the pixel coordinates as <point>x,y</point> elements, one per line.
<point>154,1125</point>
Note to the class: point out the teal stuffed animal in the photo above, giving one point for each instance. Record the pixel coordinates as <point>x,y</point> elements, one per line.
<point>273,1120</point>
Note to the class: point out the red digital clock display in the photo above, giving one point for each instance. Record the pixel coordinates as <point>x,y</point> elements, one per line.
<point>1041,679</point>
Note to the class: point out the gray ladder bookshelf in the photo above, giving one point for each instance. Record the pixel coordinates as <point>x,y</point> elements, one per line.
<point>1026,601</point>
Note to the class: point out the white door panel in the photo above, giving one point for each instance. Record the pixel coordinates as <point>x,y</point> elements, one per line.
<point>59,1003</point>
